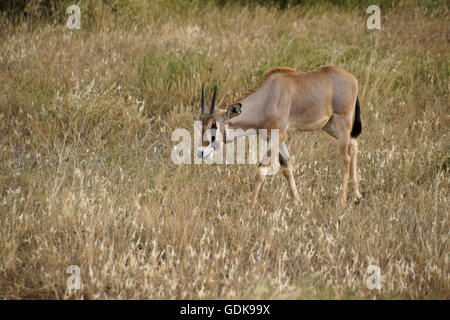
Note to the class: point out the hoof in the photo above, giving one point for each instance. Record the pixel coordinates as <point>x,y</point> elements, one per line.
<point>297,201</point>
<point>358,198</point>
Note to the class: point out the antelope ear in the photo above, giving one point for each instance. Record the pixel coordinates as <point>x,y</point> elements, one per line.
<point>234,110</point>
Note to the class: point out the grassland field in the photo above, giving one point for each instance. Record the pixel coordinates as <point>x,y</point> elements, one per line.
<point>86,118</point>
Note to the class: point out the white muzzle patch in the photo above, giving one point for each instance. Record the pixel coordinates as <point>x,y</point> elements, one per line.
<point>205,152</point>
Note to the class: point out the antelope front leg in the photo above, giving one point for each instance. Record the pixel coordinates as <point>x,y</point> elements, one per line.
<point>259,180</point>
<point>287,170</point>
<point>270,159</point>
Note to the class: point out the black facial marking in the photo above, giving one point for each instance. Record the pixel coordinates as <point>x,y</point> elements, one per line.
<point>213,131</point>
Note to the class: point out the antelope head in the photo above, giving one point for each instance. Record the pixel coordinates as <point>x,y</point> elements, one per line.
<point>214,125</point>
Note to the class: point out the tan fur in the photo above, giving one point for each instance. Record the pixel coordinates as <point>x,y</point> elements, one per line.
<point>266,75</point>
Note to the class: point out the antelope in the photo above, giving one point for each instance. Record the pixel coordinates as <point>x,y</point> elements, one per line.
<point>325,98</point>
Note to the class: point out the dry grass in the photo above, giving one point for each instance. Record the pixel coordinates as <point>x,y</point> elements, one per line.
<point>86,177</point>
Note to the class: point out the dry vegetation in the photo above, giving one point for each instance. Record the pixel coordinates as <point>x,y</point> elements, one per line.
<point>85,142</point>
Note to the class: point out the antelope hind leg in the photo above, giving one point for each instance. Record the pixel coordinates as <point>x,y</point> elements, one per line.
<point>353,148</point>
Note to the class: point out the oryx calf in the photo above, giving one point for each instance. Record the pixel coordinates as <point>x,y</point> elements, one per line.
<point>325,98</point>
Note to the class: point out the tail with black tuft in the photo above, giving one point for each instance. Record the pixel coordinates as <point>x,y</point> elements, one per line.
<point>357,126</point>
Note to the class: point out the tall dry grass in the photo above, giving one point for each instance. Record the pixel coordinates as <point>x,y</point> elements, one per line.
<point>86,177</point>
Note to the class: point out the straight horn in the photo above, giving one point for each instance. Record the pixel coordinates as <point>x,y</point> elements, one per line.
<point>213,102</point>
<point>203,99</point>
